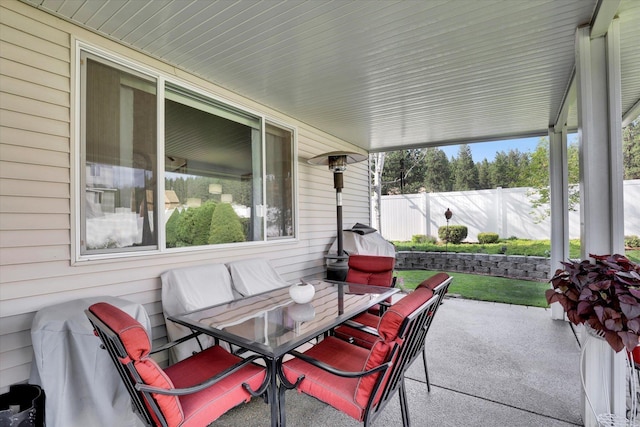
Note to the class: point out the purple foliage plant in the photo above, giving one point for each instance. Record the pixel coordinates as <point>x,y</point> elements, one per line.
<point>605,295</point>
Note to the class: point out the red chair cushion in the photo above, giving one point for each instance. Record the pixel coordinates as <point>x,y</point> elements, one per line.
<point>132,334</point>
<point>336,391</point>
<point>152,375</point>
<point>378,355</point>
<point>371,270</point>
<point>392,319</point>
<point>196,409</point>
<point>136,343</point>
<point>358,336</point>
<point>433,281</point>
<point>202,408</point>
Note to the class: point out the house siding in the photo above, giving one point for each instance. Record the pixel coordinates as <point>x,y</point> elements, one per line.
<point>36,185</point>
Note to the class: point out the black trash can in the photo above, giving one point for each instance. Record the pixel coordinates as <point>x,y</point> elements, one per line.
<point>23,406</point>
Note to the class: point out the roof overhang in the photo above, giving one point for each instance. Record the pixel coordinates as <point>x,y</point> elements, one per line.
<point>382,75</point>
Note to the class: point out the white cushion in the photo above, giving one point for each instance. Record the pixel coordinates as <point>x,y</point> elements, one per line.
<point>255,275</point>
<point>190,288</point>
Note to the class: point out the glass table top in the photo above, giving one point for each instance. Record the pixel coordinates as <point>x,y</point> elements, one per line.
<point>271,323</point>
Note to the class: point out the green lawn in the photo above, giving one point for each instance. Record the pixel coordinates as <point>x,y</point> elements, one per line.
<point>485,288</point>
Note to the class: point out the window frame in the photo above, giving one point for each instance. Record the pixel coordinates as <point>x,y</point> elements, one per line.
<point>163,81</point>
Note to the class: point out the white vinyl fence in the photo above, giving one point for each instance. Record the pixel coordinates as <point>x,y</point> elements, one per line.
<point>506,211</point>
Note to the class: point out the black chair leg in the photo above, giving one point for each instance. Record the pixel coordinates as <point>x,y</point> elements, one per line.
<point>404,408</point>
<point>426,371</point>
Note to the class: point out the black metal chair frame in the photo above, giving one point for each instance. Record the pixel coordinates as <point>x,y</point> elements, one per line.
<point>140,392</point>
<point>412,331</point>
<point>439,292</point>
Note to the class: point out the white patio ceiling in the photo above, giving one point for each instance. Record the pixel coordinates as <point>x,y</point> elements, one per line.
<point>383,75</point>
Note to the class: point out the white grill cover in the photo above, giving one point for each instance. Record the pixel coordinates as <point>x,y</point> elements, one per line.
<point>354,243</point>
<point>81,384</point>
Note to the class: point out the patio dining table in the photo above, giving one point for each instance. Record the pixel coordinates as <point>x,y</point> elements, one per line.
<point>271,323</point>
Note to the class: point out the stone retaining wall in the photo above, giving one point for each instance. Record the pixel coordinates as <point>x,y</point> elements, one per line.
<point>516,266</point>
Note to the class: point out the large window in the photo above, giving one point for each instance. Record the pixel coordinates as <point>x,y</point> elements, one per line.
<point>227,174</point>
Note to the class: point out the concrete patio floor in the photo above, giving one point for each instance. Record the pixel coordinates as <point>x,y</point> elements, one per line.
<point>489,364</point>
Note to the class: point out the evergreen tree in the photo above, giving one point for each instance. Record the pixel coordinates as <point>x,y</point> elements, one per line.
<point>631,150</point>
<point>202,223</point>
<point>171,229</point>
<point>500,170</point>
<point>484,175</point>
<point>517,163</point>
<point>185,228</point>
<point>403,172</point>
<point>437,176</point>
<point>465,171</point>
<point>537,175</point>
<point>225,225</point>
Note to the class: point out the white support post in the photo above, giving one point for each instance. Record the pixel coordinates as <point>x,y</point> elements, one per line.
<point>615,136</point>
<point>559,198</point>
<point>598,76</point>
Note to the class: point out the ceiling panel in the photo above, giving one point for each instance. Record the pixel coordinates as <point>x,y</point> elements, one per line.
<point>383,75</point>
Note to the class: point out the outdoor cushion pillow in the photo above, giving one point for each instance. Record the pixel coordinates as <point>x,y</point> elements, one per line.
<point>389,326</point>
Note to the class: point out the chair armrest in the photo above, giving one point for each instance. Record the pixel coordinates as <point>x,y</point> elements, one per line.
<point>198,387</point>
<point>332,370</point>
<point>174,343</point>
<point>361,327</point>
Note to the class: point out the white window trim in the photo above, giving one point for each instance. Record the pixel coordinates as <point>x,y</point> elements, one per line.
<point>162,79</point>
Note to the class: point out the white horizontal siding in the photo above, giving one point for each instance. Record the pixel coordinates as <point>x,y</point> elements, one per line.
<point>35,192</point>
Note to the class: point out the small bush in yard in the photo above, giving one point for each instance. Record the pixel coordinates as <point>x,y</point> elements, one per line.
<point>422,238</point>
<point>453,233</point>
<point>632,241</point>
<point>488,237</point>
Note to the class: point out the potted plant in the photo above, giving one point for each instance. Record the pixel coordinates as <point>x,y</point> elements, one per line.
<point>604,295</point>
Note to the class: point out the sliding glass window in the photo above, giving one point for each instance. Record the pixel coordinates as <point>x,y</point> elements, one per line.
<point>222,182</point>
<point>119,167</point>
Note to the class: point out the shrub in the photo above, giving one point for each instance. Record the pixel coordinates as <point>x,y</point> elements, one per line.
<point>225,225</point>
<point>488,237</point>
<point>422,238</point>
<point>453,233</point>
<point>202,223</point>
<point>185,227</point>
<point>171,229</point>
<point>632,241</point>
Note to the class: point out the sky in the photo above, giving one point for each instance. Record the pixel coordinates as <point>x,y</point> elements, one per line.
<point>488,150</point>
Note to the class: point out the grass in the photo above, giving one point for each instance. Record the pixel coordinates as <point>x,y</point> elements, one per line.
<point>489,288</point>
<point>485,288</point>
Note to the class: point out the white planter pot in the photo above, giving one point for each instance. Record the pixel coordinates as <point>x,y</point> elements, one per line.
<point>302,293</point>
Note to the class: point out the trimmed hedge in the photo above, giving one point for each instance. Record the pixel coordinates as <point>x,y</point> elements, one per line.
<point>225,225</point>
<point>423,238</point>
<point>488,237</point>
<point>453,233</point>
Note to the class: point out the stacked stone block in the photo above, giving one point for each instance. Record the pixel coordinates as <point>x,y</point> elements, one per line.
<point>515,266</point>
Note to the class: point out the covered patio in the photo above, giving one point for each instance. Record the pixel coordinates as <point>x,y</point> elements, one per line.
<point>360,76</point>
<point>489,364</point>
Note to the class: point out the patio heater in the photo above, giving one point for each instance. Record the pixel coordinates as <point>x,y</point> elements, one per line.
<point>337,162</point>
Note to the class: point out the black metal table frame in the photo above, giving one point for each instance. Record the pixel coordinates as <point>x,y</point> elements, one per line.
<point>274,355</point>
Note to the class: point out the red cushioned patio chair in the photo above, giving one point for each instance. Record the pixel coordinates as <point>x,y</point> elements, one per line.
<point>193,392</point>
<point>362,329</point>
<point>372,270</point>
<point>360,381</point>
